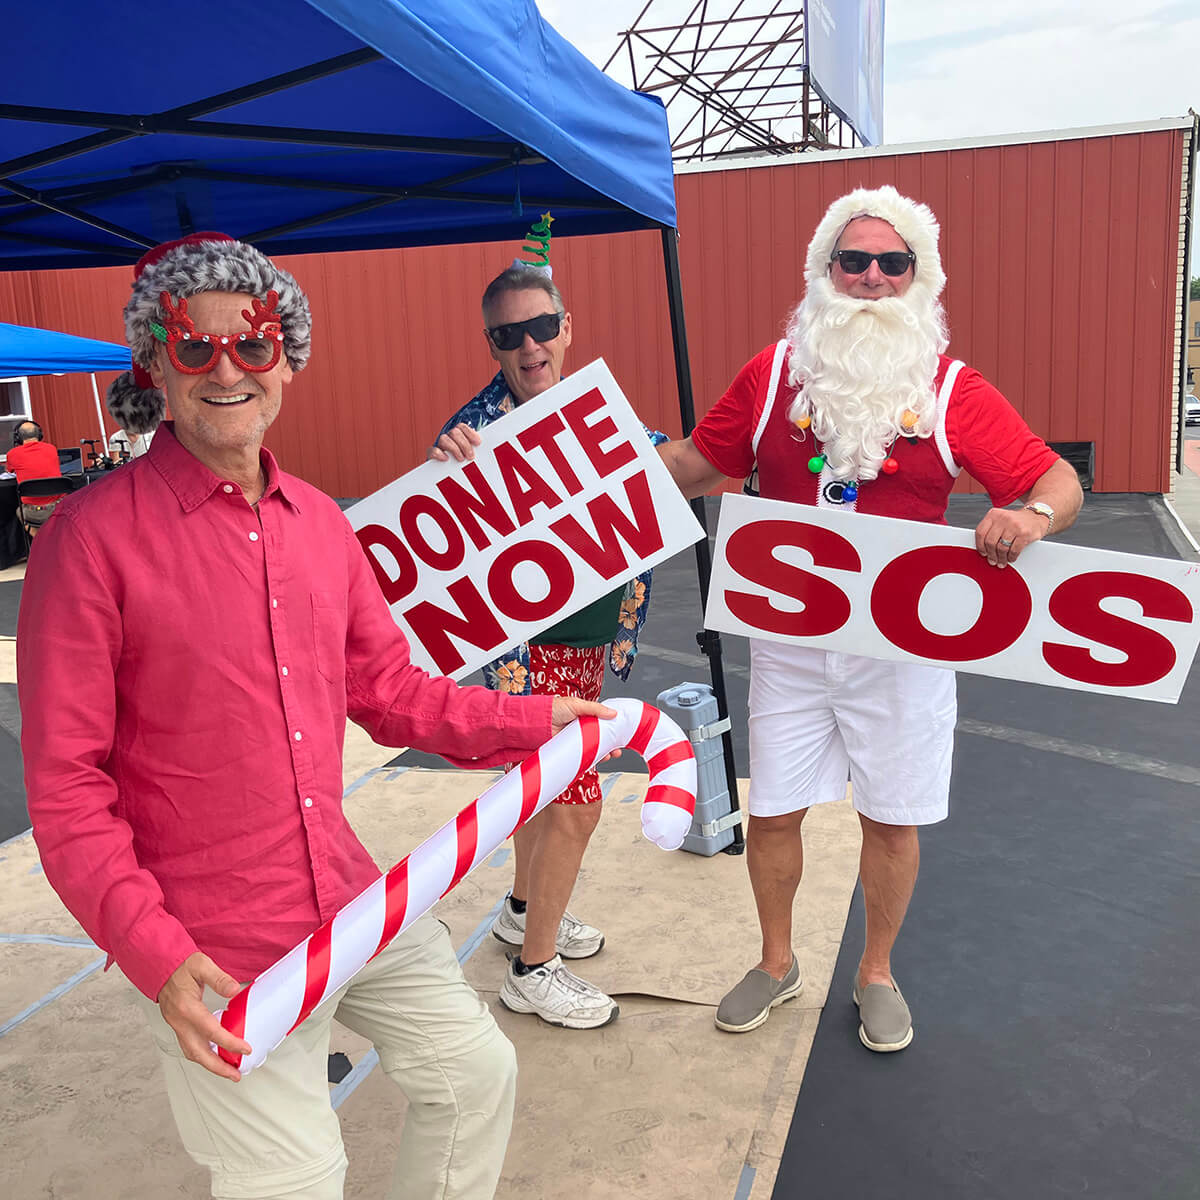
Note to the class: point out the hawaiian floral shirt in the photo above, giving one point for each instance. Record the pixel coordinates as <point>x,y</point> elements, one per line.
<point>510,672</point>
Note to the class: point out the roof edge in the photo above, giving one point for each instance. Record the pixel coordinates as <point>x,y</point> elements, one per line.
<point>889,151</point>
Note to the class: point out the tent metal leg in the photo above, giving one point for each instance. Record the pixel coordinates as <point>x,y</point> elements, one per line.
<point>709,641</point>
<point>99,413</point>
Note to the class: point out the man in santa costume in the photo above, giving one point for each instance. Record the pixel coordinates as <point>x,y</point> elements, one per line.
<point>858,407</point>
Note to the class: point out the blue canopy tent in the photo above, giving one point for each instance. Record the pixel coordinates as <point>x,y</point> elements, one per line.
<point>317,125</point>
<point>306,125</point>
<point>25,350</point>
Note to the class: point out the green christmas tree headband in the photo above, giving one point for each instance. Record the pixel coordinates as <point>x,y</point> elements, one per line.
<point>539,235</point>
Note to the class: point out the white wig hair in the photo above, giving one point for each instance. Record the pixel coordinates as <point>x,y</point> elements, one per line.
<point>860,364</point>
<point>914,222</point>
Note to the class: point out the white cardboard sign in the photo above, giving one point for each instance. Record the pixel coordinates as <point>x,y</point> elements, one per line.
<point>1093,620</point>
<point>566,500</point>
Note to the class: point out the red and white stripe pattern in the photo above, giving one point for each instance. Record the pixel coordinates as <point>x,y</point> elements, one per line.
<point>287,992</point>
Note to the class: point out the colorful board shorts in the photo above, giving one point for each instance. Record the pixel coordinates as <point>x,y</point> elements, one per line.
<point>567,671</point>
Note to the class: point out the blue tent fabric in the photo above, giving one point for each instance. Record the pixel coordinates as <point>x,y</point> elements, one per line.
<point>28,351</point>
<point>387,123</point>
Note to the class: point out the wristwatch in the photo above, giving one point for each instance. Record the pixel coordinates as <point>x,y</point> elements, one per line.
<point>1043,510</point>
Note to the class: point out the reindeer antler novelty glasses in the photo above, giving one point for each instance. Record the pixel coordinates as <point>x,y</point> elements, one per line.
<point>195,353</point>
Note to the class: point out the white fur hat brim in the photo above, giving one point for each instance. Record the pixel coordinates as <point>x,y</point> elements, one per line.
<point>914,222</point>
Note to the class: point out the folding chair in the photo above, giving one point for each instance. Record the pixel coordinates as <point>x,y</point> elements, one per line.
<point>33,490</point>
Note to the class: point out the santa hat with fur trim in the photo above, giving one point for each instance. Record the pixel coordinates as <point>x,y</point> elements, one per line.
<point>200,262</point>
<point>914,222</point>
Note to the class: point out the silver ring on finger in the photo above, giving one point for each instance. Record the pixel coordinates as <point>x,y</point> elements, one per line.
<point>1007,541</point>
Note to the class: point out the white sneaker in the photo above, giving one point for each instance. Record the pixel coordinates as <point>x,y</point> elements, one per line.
<point>557,996</point>
<point>573,940</point>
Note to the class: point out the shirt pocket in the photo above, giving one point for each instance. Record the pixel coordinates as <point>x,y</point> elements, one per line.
<point>329,635</point>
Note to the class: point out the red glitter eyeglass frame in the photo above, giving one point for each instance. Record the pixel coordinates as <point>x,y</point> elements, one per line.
<point>265,336</point>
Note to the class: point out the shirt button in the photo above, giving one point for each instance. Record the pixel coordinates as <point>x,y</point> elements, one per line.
<point>283,670</point>
<point>299,735</point>
<point>254,537</point>
<point>274,603</point>
<point>308,802</point>
<point>228,488</point>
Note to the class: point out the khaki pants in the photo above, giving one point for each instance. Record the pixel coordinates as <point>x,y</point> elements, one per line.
<point>275,1134</point>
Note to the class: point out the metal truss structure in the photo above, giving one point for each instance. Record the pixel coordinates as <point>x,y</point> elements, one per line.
<point>733,77</point>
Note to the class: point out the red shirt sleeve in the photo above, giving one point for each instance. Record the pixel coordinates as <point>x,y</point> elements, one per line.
<point>399,704</point>
<point>990,440</point>
<point>726,434</point>
<point>69,640</point>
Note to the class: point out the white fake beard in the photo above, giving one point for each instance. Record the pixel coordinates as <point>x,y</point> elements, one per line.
<point>860,364</point>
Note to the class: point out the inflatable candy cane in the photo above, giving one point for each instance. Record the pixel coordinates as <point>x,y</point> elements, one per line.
<point>287,992</point>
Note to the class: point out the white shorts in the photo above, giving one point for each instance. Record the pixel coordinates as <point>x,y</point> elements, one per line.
<point>818,718</point>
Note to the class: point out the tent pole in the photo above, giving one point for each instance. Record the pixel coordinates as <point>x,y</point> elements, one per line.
<point>709,641</point>
<point>99,413</point>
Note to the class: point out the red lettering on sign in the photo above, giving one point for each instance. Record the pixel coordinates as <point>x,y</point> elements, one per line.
<point>1075,605</point>
<point>547,558</point>
<point>483,504</point>
<point>419,506</point>
<point>393,589</point>
<point>541,437</point>
<point>474,622</point>
<point>604,551</point>
<point>527,488</point>
<point>590,437</point>
<point>750,551</point>
<point>895,598</point>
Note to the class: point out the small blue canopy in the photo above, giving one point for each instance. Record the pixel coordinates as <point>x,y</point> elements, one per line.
<point>28,351</point>
<point>305,125</point>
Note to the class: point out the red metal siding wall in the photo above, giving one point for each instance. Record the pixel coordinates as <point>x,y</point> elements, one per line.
<point>1061,256</point>
<point>1061,259</point>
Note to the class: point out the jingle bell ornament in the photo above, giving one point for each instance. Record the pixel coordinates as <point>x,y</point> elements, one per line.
<point>802,422</point>
<point>850,493</point>
<point>890,466</point>
<point>816,464</point>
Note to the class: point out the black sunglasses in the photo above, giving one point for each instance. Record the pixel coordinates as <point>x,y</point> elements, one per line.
<point>893,262</point>
<point>542,329</point>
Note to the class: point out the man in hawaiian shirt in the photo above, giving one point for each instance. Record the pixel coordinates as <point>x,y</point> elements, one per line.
<point>528,331</point>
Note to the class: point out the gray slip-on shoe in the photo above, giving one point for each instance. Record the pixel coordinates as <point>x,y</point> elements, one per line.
<point>885,1022</point>
<point>749,1004</point>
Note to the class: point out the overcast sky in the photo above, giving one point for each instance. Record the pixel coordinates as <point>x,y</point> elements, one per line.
<point>970,69</point>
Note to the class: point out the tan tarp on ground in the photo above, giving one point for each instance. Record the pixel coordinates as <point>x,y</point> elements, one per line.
<point>659,1104</point>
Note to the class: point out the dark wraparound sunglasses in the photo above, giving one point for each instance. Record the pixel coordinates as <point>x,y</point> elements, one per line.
<point>893,262</point>
<point>542,329</point>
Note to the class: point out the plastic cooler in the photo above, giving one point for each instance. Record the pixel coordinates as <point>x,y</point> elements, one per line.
<point>693,707</point>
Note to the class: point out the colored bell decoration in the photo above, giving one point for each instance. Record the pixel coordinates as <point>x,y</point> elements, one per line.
<point>850,493</point>
<point>908,422</point>
<point>890,466</point>
<point>816,464</point>
<point>802,422</point>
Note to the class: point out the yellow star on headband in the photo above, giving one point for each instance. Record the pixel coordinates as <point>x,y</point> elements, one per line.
<point>547,218</point>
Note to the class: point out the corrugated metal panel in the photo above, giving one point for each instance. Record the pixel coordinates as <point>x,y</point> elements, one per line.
<point>87,303</point>
<point>1061,257</point>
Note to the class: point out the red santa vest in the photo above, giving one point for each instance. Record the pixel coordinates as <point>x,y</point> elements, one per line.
<point>918,490</point>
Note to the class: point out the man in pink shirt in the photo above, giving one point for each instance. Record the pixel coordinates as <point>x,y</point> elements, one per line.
<point>186,789</point>
<point>859,408</point>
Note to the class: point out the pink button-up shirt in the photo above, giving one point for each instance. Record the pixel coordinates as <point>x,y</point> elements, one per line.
<point>186,666</point>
